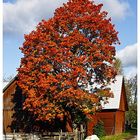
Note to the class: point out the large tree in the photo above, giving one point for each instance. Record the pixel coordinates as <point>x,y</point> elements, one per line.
<point>63,56</point>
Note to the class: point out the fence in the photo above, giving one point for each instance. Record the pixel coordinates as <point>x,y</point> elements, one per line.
<point>75,135</point>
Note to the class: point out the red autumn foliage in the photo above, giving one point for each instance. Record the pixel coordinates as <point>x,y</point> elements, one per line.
<point>63,56</point>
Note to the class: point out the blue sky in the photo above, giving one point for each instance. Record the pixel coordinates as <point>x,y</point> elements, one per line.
<point>21,16</point>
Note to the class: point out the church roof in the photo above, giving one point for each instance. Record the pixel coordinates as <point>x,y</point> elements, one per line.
<point>116,88</point>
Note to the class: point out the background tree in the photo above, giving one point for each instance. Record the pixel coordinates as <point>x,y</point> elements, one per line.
<point>133,85</point>
<point>131,90</point>
<point>118,66</point>
<point>62,57</point>
<point>8,79</point>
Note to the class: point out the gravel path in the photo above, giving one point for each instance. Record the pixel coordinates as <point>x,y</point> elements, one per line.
<point>134,138</point>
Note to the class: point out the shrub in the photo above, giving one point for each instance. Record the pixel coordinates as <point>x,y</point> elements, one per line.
<point>99,129</point>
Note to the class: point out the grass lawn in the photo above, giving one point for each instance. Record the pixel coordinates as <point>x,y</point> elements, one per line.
<point>123,136</point>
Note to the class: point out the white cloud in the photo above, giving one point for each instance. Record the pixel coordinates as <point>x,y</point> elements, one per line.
<point>128,56</point>
<point>23,15</point>
<point>116,9</point>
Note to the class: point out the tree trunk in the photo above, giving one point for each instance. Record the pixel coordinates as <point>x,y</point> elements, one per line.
<point>69,127</point>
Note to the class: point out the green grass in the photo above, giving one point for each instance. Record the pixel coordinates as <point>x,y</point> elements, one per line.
<point>121,136</point>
